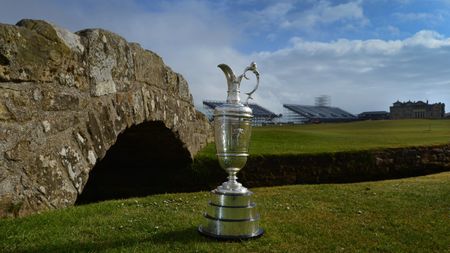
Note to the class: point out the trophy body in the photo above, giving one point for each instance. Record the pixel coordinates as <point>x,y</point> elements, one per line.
<point>231,214</point>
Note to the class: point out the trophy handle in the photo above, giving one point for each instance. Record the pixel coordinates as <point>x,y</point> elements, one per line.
<point>254,69</point>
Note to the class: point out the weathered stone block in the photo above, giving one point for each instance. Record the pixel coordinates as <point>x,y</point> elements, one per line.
<point>60,102</point>
<point>5,114</point>
<point>149,67</point>
<point>31,51</point>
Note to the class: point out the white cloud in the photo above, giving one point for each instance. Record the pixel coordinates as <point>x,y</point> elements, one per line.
<point>194,36</point>
<point>275,12</point>
<point>267,19</point>
<point>276,18</point>
<point>361,74</point>
<point>431,18</point>
<point>429,39</point>
<point>326,13</point>
<point>414,16</point>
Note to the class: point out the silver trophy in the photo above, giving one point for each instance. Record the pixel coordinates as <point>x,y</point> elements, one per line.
<point>231,214</point>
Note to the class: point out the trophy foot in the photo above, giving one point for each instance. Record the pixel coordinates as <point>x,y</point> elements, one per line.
<point>231,216</point>
<point>232,186</point>
<point>204,232</point>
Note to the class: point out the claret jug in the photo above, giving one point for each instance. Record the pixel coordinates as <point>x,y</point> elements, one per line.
<point>231,213</point>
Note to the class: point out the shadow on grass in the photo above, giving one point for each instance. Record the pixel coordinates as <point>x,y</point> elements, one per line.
<point>187,235</point>
<point>184,236</point>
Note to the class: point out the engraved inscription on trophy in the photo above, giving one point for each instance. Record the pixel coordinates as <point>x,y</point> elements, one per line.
<point>237,136</point>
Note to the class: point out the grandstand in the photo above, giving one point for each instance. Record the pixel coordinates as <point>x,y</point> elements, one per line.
<point>298,114</point>
<point>262,116</point>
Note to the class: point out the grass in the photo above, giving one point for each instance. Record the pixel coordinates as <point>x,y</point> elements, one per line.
<point>408,215</point>
<point>361,135</point>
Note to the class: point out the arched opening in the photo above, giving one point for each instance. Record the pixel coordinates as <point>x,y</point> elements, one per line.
<point>146,159</point>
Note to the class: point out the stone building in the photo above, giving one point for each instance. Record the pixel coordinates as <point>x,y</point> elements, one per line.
<point>417,110</point>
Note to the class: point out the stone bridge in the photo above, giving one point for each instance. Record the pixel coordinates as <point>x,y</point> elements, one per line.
<point>70,102</point>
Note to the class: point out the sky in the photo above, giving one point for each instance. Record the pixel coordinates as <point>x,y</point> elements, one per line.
<point>363,54</point>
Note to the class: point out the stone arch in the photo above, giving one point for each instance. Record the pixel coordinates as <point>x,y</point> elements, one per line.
<point>64,100</point>
<point>146,158</point>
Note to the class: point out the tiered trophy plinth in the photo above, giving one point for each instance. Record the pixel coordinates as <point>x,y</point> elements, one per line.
<point>231,216</point>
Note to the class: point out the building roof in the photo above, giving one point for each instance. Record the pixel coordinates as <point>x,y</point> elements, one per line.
<point>258,111</point>
<point>413,103</point>
<point>320,112</point>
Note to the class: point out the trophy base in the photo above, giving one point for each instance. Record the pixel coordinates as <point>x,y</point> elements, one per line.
<point>231,216</point>
<point>258,234</point>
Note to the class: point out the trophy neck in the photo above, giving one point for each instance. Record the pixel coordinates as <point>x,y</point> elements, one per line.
<point>233,93</point>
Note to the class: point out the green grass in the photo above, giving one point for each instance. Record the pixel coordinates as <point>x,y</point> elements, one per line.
<point>408,215</point>
<point>362,135</point>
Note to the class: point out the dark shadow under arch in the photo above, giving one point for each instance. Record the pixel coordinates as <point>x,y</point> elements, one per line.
<point>146,159</point>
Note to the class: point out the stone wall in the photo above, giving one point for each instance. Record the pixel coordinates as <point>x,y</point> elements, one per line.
<point>339,167</point>
<point>347,167</point>
<point>64,99</point>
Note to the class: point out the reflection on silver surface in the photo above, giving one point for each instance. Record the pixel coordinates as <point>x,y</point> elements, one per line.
<point>232,228</point>
<point>231,214</point>
<point>232,129</point>
<point>232,136</point>
<point>221,199</point>
<point>234,213</point>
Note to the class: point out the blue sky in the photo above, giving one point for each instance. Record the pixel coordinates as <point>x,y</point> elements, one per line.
<point>364,54</point>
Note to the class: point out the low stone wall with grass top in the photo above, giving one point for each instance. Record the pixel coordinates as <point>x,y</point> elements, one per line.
<point>205,174</point>
<point>338,167</point>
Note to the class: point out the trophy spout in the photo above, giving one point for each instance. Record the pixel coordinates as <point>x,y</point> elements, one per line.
<point>233,84</point>
<point>229,75</point>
